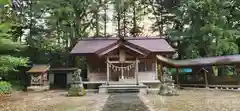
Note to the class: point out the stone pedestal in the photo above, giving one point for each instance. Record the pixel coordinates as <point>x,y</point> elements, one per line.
<point>38,88</point>
<point>102,90</point>
<point>143,91</point>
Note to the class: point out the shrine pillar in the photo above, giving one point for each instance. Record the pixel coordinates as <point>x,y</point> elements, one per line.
<point>108,70</point>
<point>136,71</point>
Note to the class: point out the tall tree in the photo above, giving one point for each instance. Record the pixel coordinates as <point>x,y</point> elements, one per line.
<point>204,28</point>
<point>9,59</point>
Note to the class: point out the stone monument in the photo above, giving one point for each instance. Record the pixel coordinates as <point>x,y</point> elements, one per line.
<point>77,88</point>
<point>167,87</point>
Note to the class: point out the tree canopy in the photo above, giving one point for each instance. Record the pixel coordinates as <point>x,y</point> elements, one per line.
<point>44,31</point>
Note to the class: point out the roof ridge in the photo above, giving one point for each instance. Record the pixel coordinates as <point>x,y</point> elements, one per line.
<point>127,38</point>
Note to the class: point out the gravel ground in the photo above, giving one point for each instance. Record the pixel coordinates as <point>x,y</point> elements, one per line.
<point>52,101</point>
<point>124,102</point>
<point>195,100</point>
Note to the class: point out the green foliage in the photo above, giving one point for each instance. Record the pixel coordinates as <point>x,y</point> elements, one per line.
<point>205,28</point>
<point>8,48</point>
<point>9,63</point>
<point>9,45</point>
<point>4,2</point>
<point>17,85</point>
<point>5,87</point>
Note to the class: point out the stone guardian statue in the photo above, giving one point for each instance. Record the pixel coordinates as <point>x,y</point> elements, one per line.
<point>77,88</point>
<point>167,87</point>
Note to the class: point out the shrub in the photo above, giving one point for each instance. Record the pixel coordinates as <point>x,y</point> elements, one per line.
<point>5,87</point>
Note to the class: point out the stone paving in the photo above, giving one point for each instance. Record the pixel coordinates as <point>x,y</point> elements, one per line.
<point>124,102</point>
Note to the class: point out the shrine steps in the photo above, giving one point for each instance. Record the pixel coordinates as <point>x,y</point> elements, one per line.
<point>123,88</point>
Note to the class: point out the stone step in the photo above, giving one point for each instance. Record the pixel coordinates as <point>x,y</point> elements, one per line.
<point>123,86</point>
<point>123,90</point>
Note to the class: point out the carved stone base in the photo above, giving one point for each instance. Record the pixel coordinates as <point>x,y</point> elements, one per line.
<point>167,90</point>
<point>102,90</point>
<point>143,91</point>
<point>38,88</point>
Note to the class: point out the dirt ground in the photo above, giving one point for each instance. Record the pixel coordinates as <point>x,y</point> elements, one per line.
<point>187,100</point>
<point>195,100</point>
<point>52,101</point>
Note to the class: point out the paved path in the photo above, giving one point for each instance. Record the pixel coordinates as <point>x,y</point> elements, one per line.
<point>124,102</point>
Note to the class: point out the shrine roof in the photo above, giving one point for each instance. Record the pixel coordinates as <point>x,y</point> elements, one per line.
<point>40,68</point>
<point>93,45</point>
<point>218,60</point>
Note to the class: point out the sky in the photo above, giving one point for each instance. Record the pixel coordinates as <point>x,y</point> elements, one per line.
<point>146,23</point>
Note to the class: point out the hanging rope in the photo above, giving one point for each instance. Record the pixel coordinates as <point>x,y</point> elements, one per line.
<point>118,68</point>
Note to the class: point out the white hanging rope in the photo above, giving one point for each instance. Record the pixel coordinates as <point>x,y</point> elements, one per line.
<point>117,68</point>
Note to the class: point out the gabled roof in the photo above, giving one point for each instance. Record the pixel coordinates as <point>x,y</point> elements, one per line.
<point>39,68</point>
<point>126,45</point>
<point>138,44</point>
<point>218,60</point>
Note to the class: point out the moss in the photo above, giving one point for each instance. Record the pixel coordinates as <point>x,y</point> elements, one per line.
<point>76,91</point>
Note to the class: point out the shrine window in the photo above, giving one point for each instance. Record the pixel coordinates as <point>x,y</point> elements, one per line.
<point>146,66</point>
<point>97,68</point>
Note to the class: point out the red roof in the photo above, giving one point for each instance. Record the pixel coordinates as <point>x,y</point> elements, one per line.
<point>91,46</point>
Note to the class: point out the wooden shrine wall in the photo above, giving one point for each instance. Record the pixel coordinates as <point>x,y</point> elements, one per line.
<point>97,70</point>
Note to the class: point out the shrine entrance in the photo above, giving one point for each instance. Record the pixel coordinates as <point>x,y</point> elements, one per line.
<point>122,66</point>
<point>121,71</point>
<point>60,80</point>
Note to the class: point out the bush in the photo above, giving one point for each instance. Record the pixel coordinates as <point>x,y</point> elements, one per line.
<point>17,85</point>
<point>5,87</point>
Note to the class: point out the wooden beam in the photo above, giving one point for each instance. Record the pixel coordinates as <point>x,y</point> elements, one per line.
<point>120,62</point>
<point>88,69</point>
<point>107,71</point>
<point>122,77</point>
<point>136,71</point>
<point>156,69</point>
<point>161,70</point>
<point>205,79</point>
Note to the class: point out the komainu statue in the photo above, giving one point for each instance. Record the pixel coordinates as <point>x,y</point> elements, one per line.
<point>167,87</point>
<point>76,88</point>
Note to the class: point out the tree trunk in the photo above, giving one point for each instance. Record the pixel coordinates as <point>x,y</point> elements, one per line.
<point>31,23</point>
<point>105,19</point>
<point>134,20</point>
<point>96,23</point>
<point>124,22</point>
<point>119,27</point>
<point>157,18</point>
